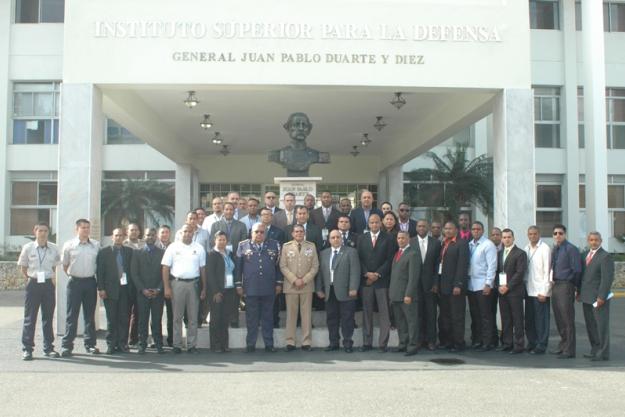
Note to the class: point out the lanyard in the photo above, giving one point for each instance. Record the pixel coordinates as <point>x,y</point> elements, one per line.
<point>41,258</point>
<point>533,253</point>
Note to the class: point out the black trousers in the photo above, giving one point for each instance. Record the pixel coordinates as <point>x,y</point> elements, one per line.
<point>407,321</point>
<point>117,319</point>
<point>220,318</point>
<point>598,328</point>
<point>340,313</point>
<point>482,318</point>
<point>537,323</point>
<point>512,318</point>
<point>170,322</point>
<point>133,318</point>
<point>80,292</point>
<point>150,308</point>
<point>452,319</point>
<point>278,305</point>
<point>563,304</point>
<point>38,295</point>
<point>426,305</point>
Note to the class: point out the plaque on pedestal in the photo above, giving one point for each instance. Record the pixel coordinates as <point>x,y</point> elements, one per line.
<point>300,186</point>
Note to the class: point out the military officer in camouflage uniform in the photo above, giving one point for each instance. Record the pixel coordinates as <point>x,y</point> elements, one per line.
<point>259,279</point>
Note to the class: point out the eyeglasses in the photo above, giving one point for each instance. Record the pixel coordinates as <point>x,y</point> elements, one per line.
<point>260,232</point>
<point>558,233</point>
<point>270,196</point>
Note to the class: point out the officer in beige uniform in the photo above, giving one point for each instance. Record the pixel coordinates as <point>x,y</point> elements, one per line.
<point>38,261</point>
<point>299,265</point>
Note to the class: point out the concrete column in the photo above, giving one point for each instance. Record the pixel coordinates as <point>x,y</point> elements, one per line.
<point>80,172</point>
<point>195,188</point>
<point>513,156</point>
<point>184,192</point>
<point>382,189</point>
<point>395,183</point>
<point>569,122</point>
<point>595,118</point>
<point>5,39</point>
<point>480,133</point>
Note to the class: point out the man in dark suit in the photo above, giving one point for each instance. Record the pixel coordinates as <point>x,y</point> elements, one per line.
<point>271,232</point>
<point>147,277</point>
<point>337,282</point>
<point>405,277</point>
<point>428,249</point>
<point>348,238</point>
<point>597,277</point>
<point>375,253</point>
<point>270,202</point>
<point>359,217</point>
<point>511,268</point>
<point>326,216</point>
<point>405,223</point>
<point>114,275</point>
<point>285,217</point>
<point>452,287</point>
<point>313,233</point>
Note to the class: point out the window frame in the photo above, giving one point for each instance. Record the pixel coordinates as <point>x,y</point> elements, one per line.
<point>32,116</point>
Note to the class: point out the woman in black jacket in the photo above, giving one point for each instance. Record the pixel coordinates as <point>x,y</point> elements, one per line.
<point>220,273</point>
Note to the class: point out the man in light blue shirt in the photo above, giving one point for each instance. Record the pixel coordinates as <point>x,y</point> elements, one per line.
<point>482,270</point>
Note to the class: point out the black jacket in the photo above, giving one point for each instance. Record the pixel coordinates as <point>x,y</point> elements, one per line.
<point>108,275</point>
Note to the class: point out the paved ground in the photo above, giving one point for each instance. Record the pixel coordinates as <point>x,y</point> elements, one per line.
<point>307,384</point>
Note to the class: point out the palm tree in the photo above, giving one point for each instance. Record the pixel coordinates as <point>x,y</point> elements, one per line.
<point>465,182</point>
<point>130,200</point>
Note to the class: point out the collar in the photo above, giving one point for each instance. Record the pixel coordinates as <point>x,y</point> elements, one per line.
<point>78,242</point>
<point>44,246</point>
<point>452,240</point>
<point>423,238</point>
<point>375,234</point>
<point>405,247</point>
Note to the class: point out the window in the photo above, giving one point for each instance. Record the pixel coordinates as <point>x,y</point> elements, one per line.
<point>614,16</point>
<point>548,207</point>
<point>616,206</point>
<point>31,202</point>
<point>615,109</point>
<point>544,14</point>
<point>581,141</point>
<point>116,134</point>
<point>39,11</point>
<point>547,117</point>
<point>36,113</point>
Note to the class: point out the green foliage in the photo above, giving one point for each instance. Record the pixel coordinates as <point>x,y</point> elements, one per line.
<point>466,182</point>
<point>131,200</point>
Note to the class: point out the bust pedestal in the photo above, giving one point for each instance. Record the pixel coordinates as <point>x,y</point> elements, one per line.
<point>300,186</point>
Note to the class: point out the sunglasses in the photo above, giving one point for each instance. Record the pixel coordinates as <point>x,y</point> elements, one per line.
<point>558,233</point>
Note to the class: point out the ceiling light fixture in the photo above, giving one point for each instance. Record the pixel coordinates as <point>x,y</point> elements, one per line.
<point>225,150</point>
<point>365,139</point>
<point>398,101</point>
<point>206,123</point>
<point>191,101</point>
<point>355,152</point>
<point>379,123</point>
<point>217,140</point>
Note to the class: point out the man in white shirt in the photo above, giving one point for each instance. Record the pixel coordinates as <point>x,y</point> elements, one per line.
<point>482,270</point>
<point>252,216</point>
<point>218,212</point>
<point>538,285</point>
<point>185,260</point>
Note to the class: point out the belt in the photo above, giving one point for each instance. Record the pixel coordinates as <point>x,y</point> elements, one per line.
<point>35,278</point>
<point>185,279</point>
<point>74,276</point>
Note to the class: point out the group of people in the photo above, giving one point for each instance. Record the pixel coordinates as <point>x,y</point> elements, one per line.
<point>415,275</point>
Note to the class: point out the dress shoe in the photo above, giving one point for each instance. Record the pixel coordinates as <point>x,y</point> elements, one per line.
<point>365,348</point>
<point>331,348</point>
<point>92,350</point>
<point>270,349</point>
<point>123,349</point>
<point>110,350</point>
<point>159,349</point>
<point>411,352</point>
<point>51,354</point>
<point>485,348</point>
<point>348,349</point>
<point>27,355</point>
<point>445,347</point>
<point>431,347</point>
<point>290,348</point>
<point>170,343</point>
<point>193,350</point>
<point>598,359</point>
<point>306,348</point>
<point>177,350</point>
<point>382,349</point>
<point>141,350</point>
<point>399,349</point>
<point>153,346</point>
<point>555,352</point>
<point>250,349</point>
<point>589,355</point>
<point>504,348</point>
<point>537,352</point>
<point>225,350</point>
<point>476,346</point>
<point>516,351</point>
<point>66,353</point>
<point>565,356</point>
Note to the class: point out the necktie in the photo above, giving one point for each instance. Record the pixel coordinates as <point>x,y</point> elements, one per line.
<point>506,251</point>
<point>325,214</point>
<point>335,255</point>
<point>228,226</point>
<point>398,255</point>
<point>423,249</point>
<point>289,217</point>
<point>299,247</point>
<point>589,257</point>
<point>120,262</point>
<point>374,238</point>
<point>344,238</point>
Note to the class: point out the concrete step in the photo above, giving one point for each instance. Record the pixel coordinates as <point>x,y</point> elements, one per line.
<point>318,319</point>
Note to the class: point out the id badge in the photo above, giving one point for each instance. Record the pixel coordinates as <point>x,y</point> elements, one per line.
<point>440,269</point>
<point>229,281</point>
<point>503,279</point>
<point>41,277</point>
<point>123,280</point>
<point>324,233</point>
